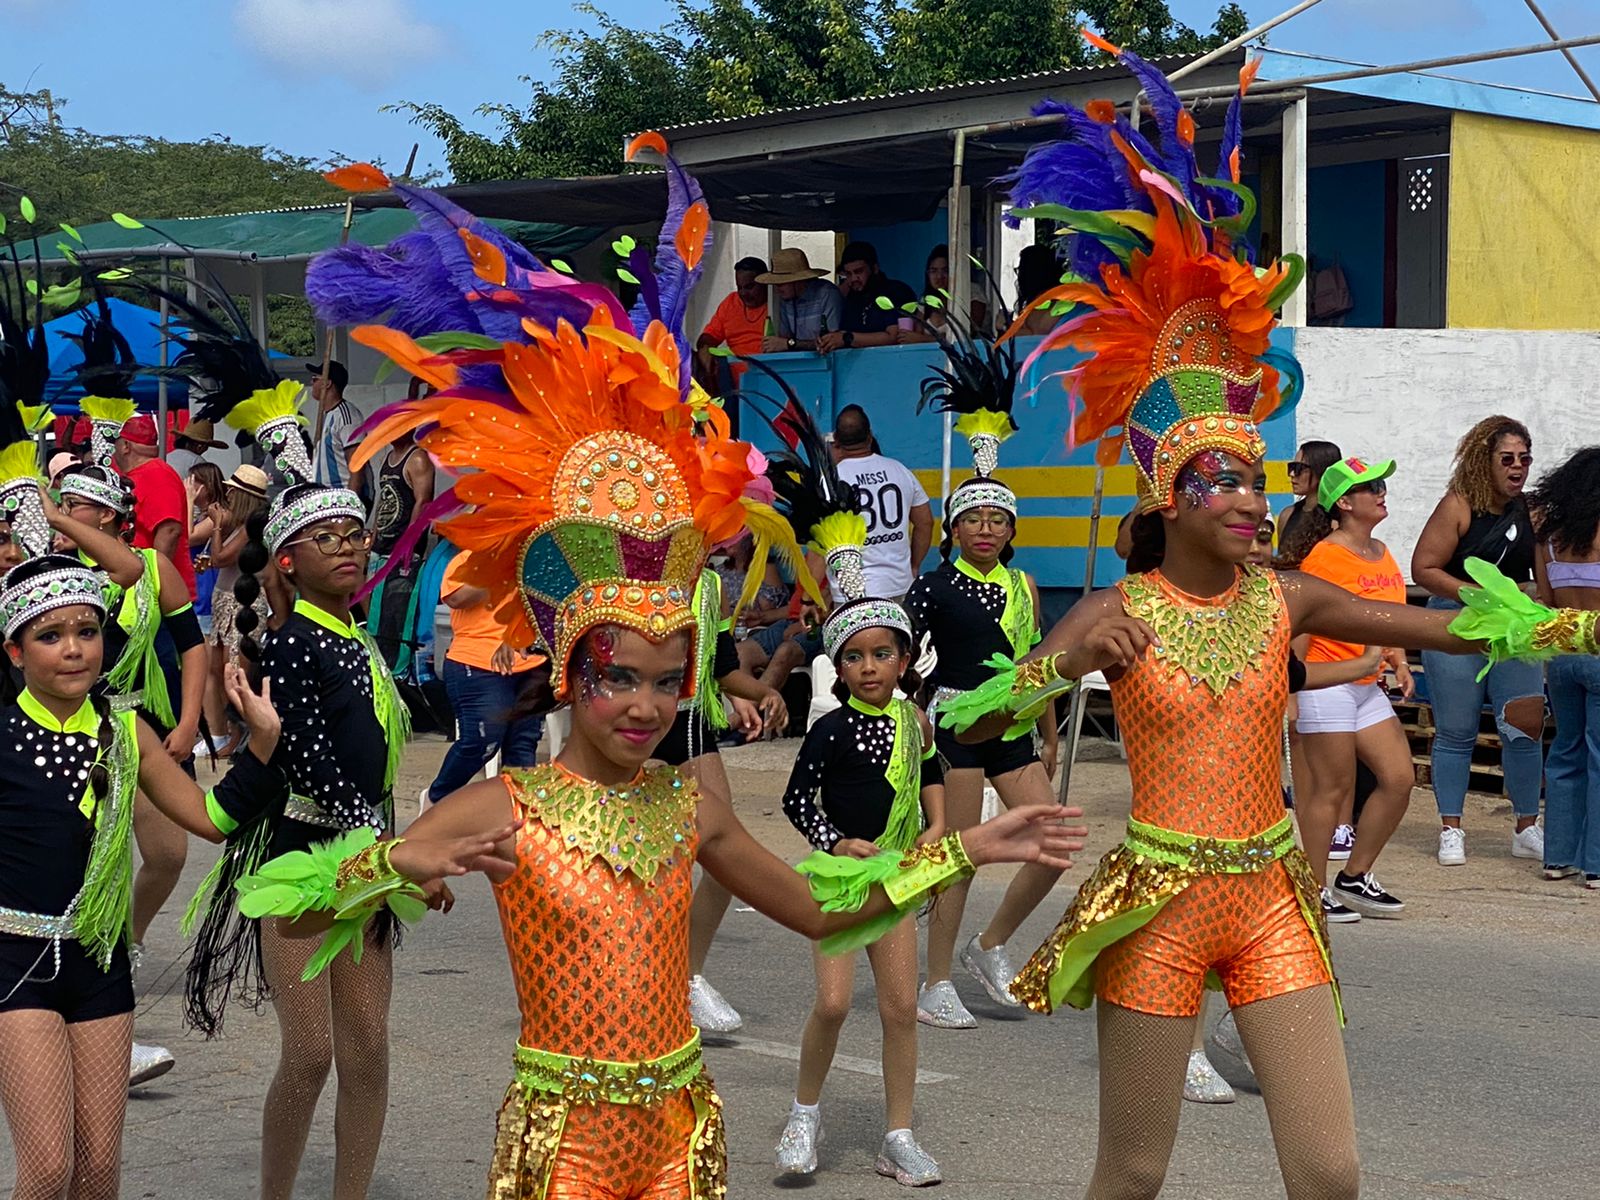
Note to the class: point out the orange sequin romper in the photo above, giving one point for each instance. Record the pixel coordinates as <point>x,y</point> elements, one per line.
<point>1208,882</point>
<point>596,923</point>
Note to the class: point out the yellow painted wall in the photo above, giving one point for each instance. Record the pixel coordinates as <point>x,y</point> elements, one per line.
<point>1524,242</point>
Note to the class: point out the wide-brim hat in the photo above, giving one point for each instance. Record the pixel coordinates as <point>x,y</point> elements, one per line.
<point>1348,473</point>
<point>790,265</point>
<point>202,433</point>
<point>252,480</point>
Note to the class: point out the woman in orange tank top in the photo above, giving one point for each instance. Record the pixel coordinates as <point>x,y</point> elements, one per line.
<point>1207,886</point>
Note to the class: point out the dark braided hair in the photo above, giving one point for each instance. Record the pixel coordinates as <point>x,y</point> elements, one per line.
<point>1566,504</point>
<point>948,544</point>
<point>247,588</point>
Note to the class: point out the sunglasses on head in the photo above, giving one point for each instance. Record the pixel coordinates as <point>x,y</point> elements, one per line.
<point>1510,459</point>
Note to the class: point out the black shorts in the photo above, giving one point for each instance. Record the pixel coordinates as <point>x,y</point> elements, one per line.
<point>691,736</point>
<point>994,758</point>
<point>79,991</point>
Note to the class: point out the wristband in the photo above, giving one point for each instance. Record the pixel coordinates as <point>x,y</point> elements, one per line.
<point>928,870</point>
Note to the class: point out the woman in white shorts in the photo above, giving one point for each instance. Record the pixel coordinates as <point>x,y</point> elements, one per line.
<point>1351,721</point>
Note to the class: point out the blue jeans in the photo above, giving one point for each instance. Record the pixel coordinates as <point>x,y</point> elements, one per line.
<point>1458,698</point>
<point>482,700</point>
<point>1572,772</point>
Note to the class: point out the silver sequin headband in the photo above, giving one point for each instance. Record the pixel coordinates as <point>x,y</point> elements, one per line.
<point>309,508</point>
<point>59,588</point>
<point>849,619</point>
<point>95,491</point>
<point>987,494</point>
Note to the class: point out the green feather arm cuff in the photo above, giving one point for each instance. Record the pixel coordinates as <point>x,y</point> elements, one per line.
<point>842,884</point>
<point>1020,689</point>
<point>1514,625</point>
<point>349,876</point>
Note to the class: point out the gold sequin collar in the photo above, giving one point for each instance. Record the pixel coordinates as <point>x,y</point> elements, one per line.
<point>640,827</point>
<point>1213,641</point>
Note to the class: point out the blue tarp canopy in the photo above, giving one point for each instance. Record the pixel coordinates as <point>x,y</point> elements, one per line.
<point>142,328</point>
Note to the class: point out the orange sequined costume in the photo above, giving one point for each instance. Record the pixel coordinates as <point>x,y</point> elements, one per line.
<point>596,922</point>
<point>1208,882</point>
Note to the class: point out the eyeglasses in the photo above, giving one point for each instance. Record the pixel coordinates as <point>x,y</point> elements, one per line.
<point>974,520</point>
<point>331,543</point>
<point>1508,459</point>
<point>1296,469</point>
<point>1377,487</point>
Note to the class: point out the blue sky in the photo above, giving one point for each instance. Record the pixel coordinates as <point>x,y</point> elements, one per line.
<point>311,75</point>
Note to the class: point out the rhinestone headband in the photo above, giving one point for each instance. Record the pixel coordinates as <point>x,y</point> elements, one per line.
<point>95,491</point>
<point>987,494</point>
<point>324,504</point>
<point>847,620</point>
<point>42,593</point>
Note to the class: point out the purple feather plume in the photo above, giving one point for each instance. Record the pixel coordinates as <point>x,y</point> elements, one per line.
<point>672,280</point>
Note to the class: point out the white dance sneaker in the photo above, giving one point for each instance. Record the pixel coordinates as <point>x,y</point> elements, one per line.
<point>939,1006</point>
<point>1202,1084</point>
<point>1529,842</point>
<point>901,1159</point>
<point>709,1011</point>
<point>797,1148</point>
<point>993,969</point>
<point>1452,846</point>
<point>147,1063</point>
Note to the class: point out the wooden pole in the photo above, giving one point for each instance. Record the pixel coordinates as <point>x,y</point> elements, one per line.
<point>327,345</point>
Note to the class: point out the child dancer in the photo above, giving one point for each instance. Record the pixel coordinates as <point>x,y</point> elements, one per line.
<point>874,764</point>
<point>592,519</point>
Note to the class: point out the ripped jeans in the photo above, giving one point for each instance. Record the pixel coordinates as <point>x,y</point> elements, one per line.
<point>1458,699</point>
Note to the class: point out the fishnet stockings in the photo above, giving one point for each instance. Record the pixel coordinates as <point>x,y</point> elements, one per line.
<point>340,1019</point>
<point>57,1079</point>
<point>1295,1047</point>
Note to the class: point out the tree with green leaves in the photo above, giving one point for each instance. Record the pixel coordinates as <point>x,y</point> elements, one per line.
<point>730,58</point>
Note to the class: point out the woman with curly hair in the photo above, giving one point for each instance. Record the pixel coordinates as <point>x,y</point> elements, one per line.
<point>1566,507</point>
<point>1482,515</point>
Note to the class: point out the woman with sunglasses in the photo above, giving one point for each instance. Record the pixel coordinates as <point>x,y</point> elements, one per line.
<point>1305,476</point>
<point>1351,722</point>
<point>1483,515</point>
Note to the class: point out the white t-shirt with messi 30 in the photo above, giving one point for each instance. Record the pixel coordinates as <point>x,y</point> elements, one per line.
<point>888,493</point>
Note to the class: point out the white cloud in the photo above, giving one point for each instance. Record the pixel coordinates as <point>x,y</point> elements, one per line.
<point>368,42</point>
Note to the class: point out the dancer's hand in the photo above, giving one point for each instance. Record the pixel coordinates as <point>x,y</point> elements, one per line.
<point>930,835</point>
<point>1050,757</point>
<point>855,848</point>
<point>254,708</point>
<point>1034,833</point>
<point>1115,641</point>
<point>746,718</point>
<point>774,712</point>
<point>503,659</point>
<point>436,894</point>
<point>425,859</point>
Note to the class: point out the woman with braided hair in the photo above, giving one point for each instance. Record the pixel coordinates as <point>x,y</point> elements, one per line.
<point>1483,515</point>
<point>71,761</point>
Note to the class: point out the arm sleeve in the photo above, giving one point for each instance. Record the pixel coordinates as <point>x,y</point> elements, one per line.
<point>249,789</point>
<point>306,751</point>
<point>724,656</point>
<point>805,781</point>
<point>932,771</point>
<point>833,306</point>
<point>918,602</point>
<point>184,627</point>
<point>717,328</point>
<point>915,493</point>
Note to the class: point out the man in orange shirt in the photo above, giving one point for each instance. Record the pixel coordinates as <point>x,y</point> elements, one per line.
<point>485,682</point>
<point>740,321</point>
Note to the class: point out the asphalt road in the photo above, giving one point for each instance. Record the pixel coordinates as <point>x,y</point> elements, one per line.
<point>1474,1030</point>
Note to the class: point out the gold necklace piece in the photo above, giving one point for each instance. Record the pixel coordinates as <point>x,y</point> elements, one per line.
<point>1212,644</point>
<point>639,827</point>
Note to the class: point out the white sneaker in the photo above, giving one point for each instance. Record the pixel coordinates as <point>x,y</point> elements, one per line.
<point>423,802</point>
<point>709,1011</point>
<point>1202,1084</point>
<point>993,969</point>
<point>147,1063</point>
<point>901,1159</point>
<point>797,1148</point>
<point>1529,842</point>
<point>1453,846</point>
<point>939,1006</point>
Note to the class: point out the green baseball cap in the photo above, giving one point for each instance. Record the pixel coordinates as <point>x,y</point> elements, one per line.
<point>1348,473</point>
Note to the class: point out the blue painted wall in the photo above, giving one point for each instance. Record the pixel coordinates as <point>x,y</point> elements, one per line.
<point>1346,218</point>
<point>903,249</point>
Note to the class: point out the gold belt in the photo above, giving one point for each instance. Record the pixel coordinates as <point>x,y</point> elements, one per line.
<point>600,1081</point>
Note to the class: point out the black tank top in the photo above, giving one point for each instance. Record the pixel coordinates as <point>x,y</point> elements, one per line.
<point>395,504</point>
<point>1511,550</point>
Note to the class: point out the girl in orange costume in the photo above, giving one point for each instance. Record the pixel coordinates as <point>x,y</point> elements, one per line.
<point>593,514</point>
<point>1208,885</point>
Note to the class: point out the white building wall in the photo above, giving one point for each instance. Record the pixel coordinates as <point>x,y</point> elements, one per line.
<point>1409,394</point>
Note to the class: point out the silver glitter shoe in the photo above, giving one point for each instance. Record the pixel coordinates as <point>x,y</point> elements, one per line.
<point>147,1063</point>
<point>797,1148</point>
<point>939,1006</point>
<point>993,969</point>
<point>1202,1084</point>
<point>709,1011</point>
<point>901,1159</point>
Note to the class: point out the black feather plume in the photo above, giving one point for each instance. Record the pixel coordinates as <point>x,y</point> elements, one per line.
<point>109,365</point>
